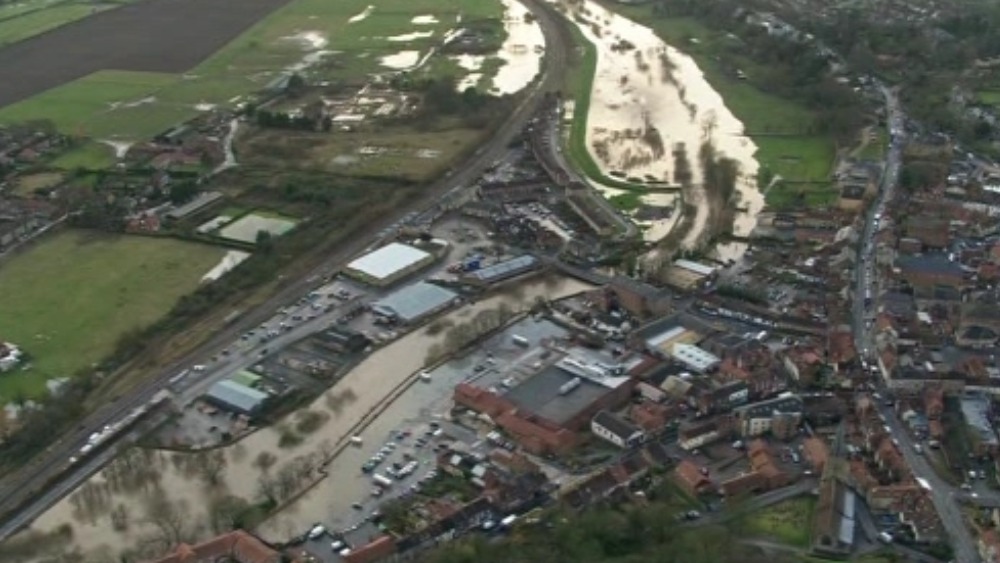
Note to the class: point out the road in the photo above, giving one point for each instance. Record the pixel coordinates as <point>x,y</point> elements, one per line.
<point>16,491</point>
<point>943,495</point>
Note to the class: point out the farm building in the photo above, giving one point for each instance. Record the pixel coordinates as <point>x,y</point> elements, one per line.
<point>236,397</point>
<point>502,270</point>
<point>389,264</point>
<point>414,302</point>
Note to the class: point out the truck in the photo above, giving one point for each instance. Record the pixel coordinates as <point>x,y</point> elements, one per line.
<point>382,481</point>
<point>868,298</point>
<point>520,340</point>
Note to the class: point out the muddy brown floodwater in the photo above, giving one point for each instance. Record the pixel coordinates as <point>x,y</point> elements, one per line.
<point>648,99</point>
<point>122,507</point>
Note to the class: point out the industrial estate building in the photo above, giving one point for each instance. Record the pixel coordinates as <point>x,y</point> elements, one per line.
<point>414,302</point>
<point>551,409</point>
<point>502,271</point>
<point>389,264</point>
<point>235,397</point>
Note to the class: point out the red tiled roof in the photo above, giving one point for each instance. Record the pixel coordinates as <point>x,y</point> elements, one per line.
<point>379,548</point>
<point>690,476</point>
<point>238,546</point>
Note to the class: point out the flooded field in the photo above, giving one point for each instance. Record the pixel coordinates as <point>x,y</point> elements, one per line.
<point>147,500</point>
<point>521,51</point>
<point>651,112</point>
<point>521,54</point>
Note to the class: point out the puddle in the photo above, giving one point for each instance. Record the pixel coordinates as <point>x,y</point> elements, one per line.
<point>310,40</point>
<point>468,81</point>
<point>651,102</point>
<point>521,52</point>
<point>471,63</point>
<point>424,20</point>
<point>401,60</point>
<point>204,107</point>
<point>232,259</point>
<point>406,37</point>
<point>361,16</point>
<point>120,147</point>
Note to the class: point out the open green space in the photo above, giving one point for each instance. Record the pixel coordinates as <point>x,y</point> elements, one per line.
<point>874,149</point>
<point>69,298</point>
<point>787,522</point>
<point>20,26</point>
<point>90,155</point>
<point>991,97</point>
<point>138,105</point>
<point>781,129</point>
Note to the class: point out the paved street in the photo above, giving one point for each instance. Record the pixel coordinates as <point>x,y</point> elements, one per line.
<point>943,495</point>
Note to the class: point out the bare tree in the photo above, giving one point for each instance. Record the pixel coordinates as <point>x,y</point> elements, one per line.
<point>210,465</point>
<point>169,518</point>
<point>264,461</point>
<point>226,513</point>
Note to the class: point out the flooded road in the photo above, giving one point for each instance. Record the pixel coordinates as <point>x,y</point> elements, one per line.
<point>652,110</point>
<point>130,503</point>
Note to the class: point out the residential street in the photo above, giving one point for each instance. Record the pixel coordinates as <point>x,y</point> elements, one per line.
<point>943,495</point>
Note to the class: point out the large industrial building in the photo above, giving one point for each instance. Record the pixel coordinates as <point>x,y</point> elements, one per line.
<point>502,271</point>
<point>236,397</point>
<point>549,411</point>
<point>415,302</point>
<point>389,264</point>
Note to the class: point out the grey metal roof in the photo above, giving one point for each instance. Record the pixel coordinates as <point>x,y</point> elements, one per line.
<point>505,269</point>
<point>930,264</point>
<point>414,301</point>
<point>616,425</point>
<point>239,396</point>
<point>540,395</point>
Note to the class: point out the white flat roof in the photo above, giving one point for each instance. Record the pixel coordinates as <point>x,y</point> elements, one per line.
<point>386,261</point>
<point>694,356</point>
<point>694,267</point>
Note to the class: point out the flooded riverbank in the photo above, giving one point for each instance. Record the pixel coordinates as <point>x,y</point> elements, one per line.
<point>652,109</point>
<point>148,500</point>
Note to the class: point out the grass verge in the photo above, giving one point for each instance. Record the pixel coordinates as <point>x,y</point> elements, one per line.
<point>787,522</point>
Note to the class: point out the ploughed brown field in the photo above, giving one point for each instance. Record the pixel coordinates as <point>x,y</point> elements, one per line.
<point>170,36</point>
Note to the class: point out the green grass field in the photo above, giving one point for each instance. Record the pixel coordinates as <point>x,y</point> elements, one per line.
<point>875,148</point>
<point>991,97</point>
<point>90,155</point>
<point>135,105</point>
<point>787,522</point>
<point>67,300</point>
<point>21,26</point>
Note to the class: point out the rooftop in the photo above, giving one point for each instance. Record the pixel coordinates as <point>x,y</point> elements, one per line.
<point>694,356</point>
<point>236,394</point>
<point>414,301</point>
<point>784,404</point>
<point>930,264</point>
<point>388,260</point>
<point>616,425</point>
<point>551,395</point>
<point>976,411</point>
<point>505,269</point>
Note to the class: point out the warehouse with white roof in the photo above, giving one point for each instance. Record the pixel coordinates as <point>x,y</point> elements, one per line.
<point>389,264</point>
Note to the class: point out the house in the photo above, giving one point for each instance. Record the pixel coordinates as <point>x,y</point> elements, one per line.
<point>692,478</point>
<point>616,430</point>
<point>930,270</point>
<point>379,548</point>
<point>933,402</point>
<point>758,418</point>
<point>237,546</point>
<point>816,452</point>
<point>762,462</point>
<point>697,435</point>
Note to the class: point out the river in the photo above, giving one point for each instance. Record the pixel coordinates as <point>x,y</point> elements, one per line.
<point>651,102</point>
<point>92,512</point>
